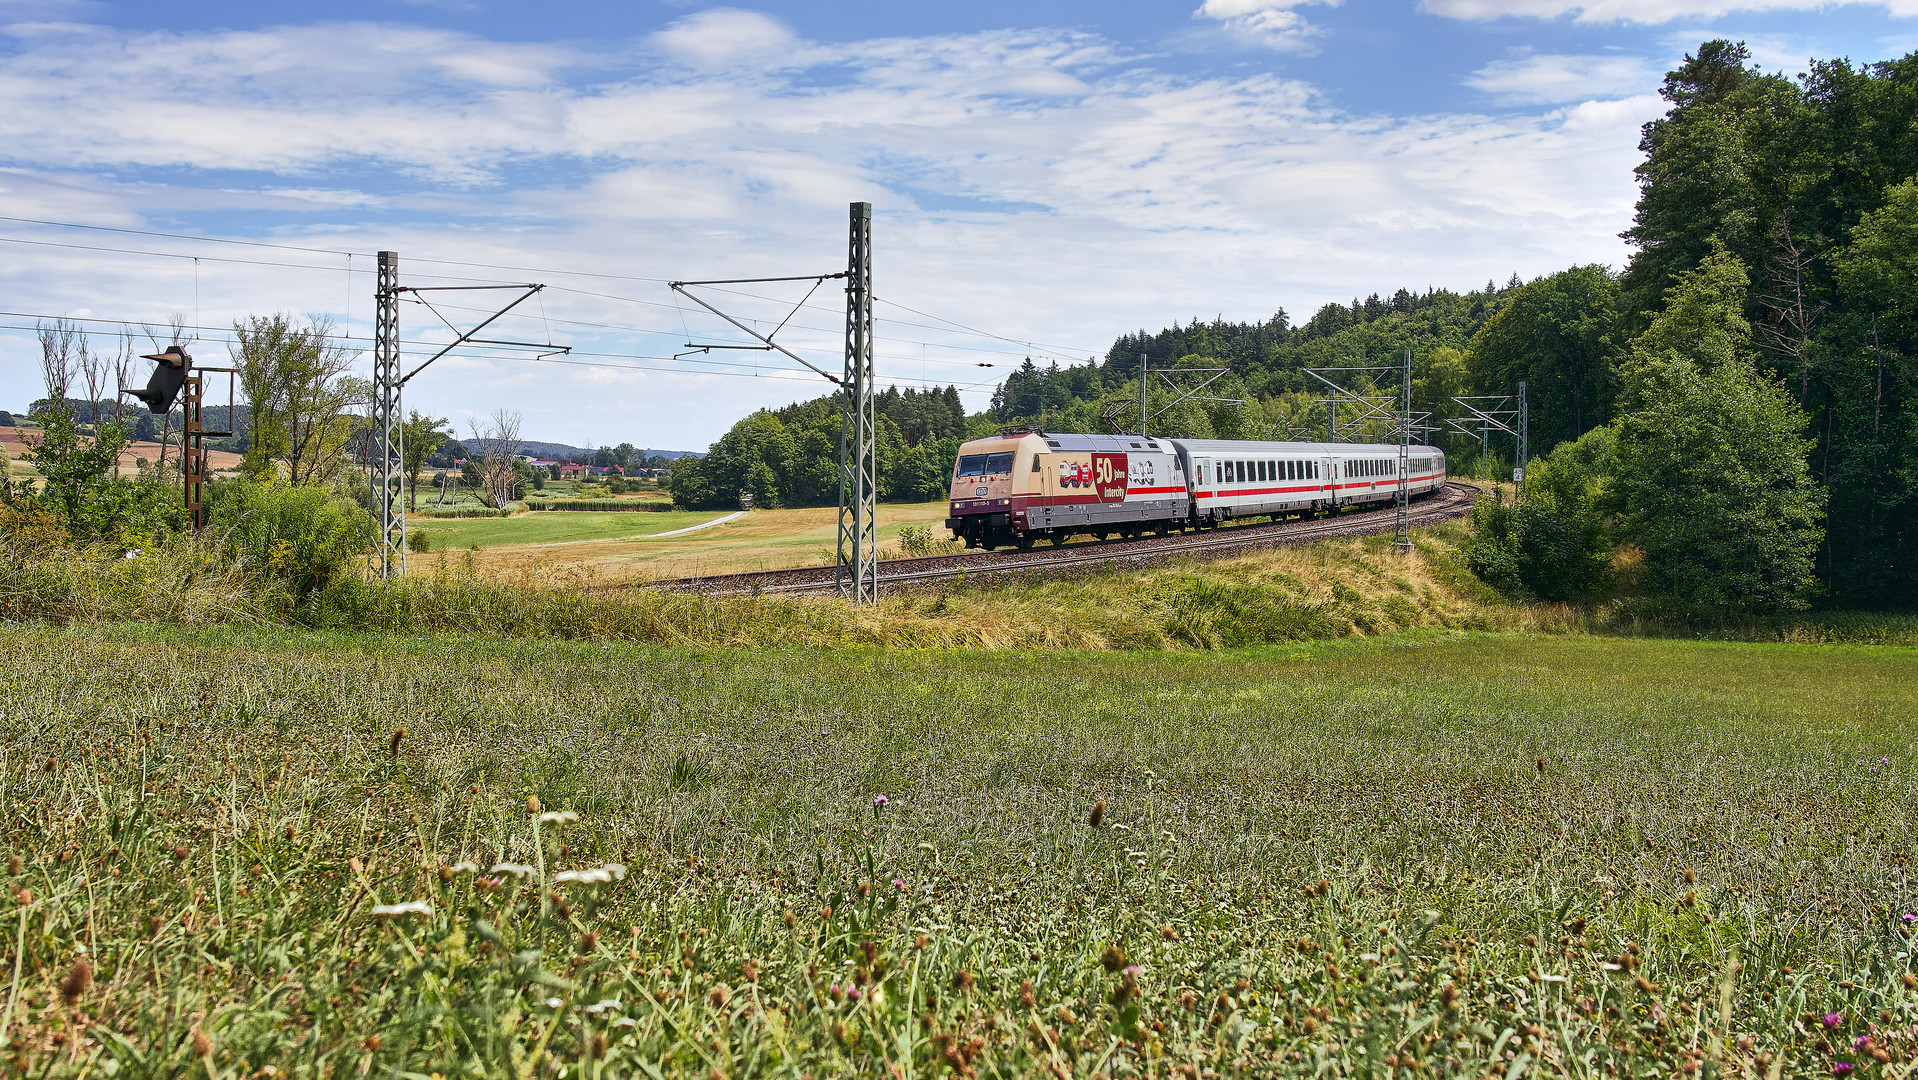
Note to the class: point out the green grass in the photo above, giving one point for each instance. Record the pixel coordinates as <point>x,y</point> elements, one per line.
<point>1360,858</point>
<point>553,527</point>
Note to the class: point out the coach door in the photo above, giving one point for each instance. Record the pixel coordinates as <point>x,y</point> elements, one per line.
<point>1328,481</point>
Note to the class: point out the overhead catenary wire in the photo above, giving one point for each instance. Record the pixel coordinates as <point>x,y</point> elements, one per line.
<point>1047,351</point>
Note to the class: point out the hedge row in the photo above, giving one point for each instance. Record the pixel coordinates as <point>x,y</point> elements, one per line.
<point>632,505</point>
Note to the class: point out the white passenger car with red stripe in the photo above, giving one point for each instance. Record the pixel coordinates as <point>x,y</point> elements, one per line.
<point>1028,485</point>
<point>1245,479</point>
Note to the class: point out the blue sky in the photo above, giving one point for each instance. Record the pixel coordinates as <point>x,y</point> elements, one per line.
<point>1044,175</point>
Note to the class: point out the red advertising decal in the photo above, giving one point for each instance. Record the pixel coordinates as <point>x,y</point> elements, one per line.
<point>1109,476</point>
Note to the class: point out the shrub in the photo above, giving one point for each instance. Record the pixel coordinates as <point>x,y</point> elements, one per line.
<point>916,540</point>
<point>300,535</point>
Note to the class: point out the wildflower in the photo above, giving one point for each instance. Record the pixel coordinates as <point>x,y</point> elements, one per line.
<point>625,1021</point>
<point>411,907</point>
<point>516,869</point>
<point>880,801</point>
<point>1833,1019</point>
<point>1908,918</point>
<point>557,817</point>
<point>609,1005</point>
<point>1861,1042</point>
<point>202,1045</point>
<point>554,1003</point>
<point>486,884</point>
<point>13,866</point>
<point>133,554</point>
<point>899,883</point>
<point>1842,1068</point>
<point>467,867</point>
<point>1134,970</point>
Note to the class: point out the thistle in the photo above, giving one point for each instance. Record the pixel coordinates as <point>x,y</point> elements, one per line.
<point>78,979</point>
<point>1098,815</point>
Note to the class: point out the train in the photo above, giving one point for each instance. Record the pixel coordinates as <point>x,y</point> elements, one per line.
<point>1025,486</point>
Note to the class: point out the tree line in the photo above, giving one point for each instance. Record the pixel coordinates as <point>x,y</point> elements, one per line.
<point>790,456</point>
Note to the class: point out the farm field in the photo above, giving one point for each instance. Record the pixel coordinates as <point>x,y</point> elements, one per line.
<point>762,540</point>
<point>13,441</point>
<point>1423,853</point>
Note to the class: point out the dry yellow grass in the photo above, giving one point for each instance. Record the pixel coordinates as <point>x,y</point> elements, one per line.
<point>762,540</point>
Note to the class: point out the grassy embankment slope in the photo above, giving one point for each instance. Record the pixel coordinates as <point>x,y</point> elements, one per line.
<point>1426,853</point>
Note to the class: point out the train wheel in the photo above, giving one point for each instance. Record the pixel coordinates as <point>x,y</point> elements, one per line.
<point>1160,529</point>
<point>1100,534</point>
<point>1024,540</point>
<point>1057,538</point>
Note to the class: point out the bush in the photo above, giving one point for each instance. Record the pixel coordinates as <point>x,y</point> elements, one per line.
<point>299,535</point>
<point>634,505</point>
<point>418,542</point>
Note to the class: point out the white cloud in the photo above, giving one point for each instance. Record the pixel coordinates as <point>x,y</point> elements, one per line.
<point>1550,78</point>
<point>1638,11</point>
<point>1090,194</point>
<point>724,38</point>
<point>1270,23</point>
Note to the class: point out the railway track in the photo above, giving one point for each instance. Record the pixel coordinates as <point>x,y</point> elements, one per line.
<point>1454,501</point>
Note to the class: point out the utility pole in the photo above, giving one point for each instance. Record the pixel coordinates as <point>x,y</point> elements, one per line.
<point>857,576</point>
<point>387,507</point>
<point>388,510</point>
<point>1524,442</point>
<point>1402,528</point>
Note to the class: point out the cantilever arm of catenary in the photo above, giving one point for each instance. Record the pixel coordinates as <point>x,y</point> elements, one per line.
<point>463,338</point>
<point>679,287</point>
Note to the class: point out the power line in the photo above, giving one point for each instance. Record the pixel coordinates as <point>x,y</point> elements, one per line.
<point>169,254</point>
<point>1046,349</point>
<point>683,365</point>
<point>176,236</point>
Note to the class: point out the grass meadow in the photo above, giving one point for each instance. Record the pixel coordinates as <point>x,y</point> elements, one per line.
<point>1426,853</point>
<point>553,527</point>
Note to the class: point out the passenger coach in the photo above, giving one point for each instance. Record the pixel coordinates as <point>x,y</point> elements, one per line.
<point>1024,486</point>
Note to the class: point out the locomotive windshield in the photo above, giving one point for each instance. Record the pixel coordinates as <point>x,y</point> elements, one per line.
<point>984,464</point>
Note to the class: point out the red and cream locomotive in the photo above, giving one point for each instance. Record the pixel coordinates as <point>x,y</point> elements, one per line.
<point>1022,487</point>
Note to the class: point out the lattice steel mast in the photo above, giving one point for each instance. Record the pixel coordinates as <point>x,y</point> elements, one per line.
<point>389,435</point>
<point>858,570</point>
<point>388,449</point>
<point>1402,530</point>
